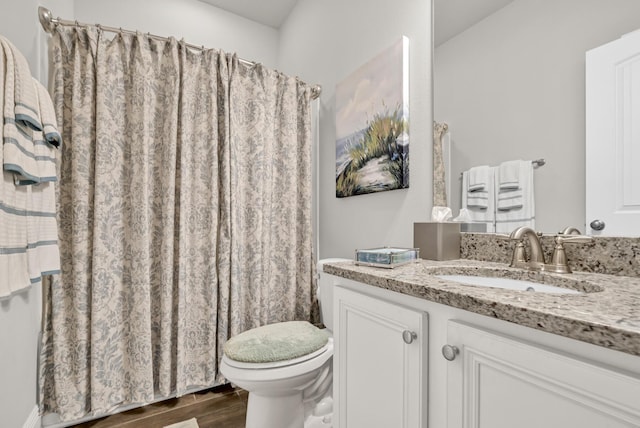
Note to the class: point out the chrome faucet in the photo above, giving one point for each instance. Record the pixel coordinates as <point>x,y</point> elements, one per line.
<point>536,258</point>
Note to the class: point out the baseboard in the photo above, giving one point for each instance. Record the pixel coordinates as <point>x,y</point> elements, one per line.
<point>33,421</point>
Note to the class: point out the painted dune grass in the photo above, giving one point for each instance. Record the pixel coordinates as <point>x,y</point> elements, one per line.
<point>376,161</point>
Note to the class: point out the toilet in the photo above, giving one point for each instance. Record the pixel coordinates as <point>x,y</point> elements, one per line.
<point>287,368</point>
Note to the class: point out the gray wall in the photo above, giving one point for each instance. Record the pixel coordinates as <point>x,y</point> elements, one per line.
<point>323,42</point>
<point>197,22</point>
<point>512,87</point>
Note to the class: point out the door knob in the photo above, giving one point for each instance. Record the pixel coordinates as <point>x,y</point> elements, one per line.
<point>597,225</point>
<point>409,336</point>
<point>449,352</point>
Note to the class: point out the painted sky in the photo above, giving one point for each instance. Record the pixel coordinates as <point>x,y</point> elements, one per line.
<point>361,94</point>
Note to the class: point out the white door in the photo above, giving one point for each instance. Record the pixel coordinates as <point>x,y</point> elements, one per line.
<point>613,138</point>
<point>380,377</point>
<point>499,382</point>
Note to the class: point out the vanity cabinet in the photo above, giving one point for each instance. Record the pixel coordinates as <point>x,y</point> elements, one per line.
<point>504,374</point>
<point>498,381</point>
<point>380,371</point>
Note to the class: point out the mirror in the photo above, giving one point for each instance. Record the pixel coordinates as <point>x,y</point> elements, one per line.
<point>509,80</point>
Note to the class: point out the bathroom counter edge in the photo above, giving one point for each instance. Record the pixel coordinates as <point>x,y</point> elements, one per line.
<point>607,318</point>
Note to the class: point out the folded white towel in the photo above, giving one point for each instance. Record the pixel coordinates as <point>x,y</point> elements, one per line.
<point>13,236</point>
<point>13,219</point>
<point>516,208</point>
<point>27,109</point>
<point>478,178</point>
<point>43,256</point>
<point>509,175</point>
<point>28,231</point>
<point>19,153</point>
<point>48,116</point>
<point>478,211</point>
<point>478,199</point>
<point>44,151</point>
<point>509,200</point>
<point>13,231</point>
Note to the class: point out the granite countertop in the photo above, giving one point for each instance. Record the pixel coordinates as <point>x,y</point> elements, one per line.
<point>606,313</point>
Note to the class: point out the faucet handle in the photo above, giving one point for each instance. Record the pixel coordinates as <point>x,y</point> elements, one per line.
<point>558,261</point>
<point>519,256</point>
<point>573,239</point>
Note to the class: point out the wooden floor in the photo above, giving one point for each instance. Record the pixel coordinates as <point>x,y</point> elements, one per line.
<point>221,407</point>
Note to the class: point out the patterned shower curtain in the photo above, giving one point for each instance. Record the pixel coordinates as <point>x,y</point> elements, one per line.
<point>184,216</point>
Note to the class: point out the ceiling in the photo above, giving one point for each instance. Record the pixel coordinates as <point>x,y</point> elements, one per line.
<point>268,12</point>
<point>452,16</point>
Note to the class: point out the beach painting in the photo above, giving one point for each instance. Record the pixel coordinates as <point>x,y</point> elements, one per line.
<point>372,125</point>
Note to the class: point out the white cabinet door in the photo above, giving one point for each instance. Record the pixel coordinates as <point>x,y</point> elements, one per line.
<point>380,380</point>
<point>613,137</point>
<point>499,382</point>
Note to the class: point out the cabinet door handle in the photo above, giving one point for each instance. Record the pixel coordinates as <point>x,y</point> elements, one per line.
<point>449,352</point>
<point>409,336</point>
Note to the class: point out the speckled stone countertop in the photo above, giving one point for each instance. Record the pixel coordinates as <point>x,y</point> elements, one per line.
<point>607,313</point>
<point>608,255</point>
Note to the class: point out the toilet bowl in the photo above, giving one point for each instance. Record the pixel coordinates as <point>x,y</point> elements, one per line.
<point>287,368</point>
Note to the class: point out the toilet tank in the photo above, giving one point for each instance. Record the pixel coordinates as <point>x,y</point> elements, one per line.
<point>325,293</point>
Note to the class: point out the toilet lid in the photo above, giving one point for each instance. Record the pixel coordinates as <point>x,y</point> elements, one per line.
<point>276,342</point>
<point>276,364</point>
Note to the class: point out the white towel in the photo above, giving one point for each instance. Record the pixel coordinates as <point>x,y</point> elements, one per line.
<point>509,175</point>
<point>13,236</point>
<point>478,178</point>
<point>43,256</point>
<point>19,152</point>
<point>13,229</point>
<point>478,199</point>
<point>27,109</point>
<point>44,150</point>
<point>510,199</point>
<point>516,208</point>
<point>481,214</point>
<point>48,116</point>
<point>28,230</point>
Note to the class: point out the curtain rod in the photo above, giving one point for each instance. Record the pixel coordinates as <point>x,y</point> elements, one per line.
<point>49,23</point>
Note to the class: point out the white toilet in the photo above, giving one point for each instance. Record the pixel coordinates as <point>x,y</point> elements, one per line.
<point>287,369</point>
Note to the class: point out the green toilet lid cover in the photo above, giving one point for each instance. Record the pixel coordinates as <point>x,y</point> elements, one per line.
<point>276,342</point>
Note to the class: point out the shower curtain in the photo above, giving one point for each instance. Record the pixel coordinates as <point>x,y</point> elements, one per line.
<point>184,216</point>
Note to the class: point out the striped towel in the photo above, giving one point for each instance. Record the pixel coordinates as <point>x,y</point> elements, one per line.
<point>27,109</point>
<point>19,152</point>
<point>13,236</point>
<point>48,116</point>
<point>509,175</point>
<point>44,147</point>
<point>481,208</point>
<point>43,257</point>
<point>516,207</point>
<point>28,229</point>
<point>478,178</point>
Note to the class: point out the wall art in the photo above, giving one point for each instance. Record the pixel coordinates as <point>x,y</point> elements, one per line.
<point>372,125</point>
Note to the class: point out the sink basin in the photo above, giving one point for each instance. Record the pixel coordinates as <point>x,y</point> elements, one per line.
<point>508,283</point>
